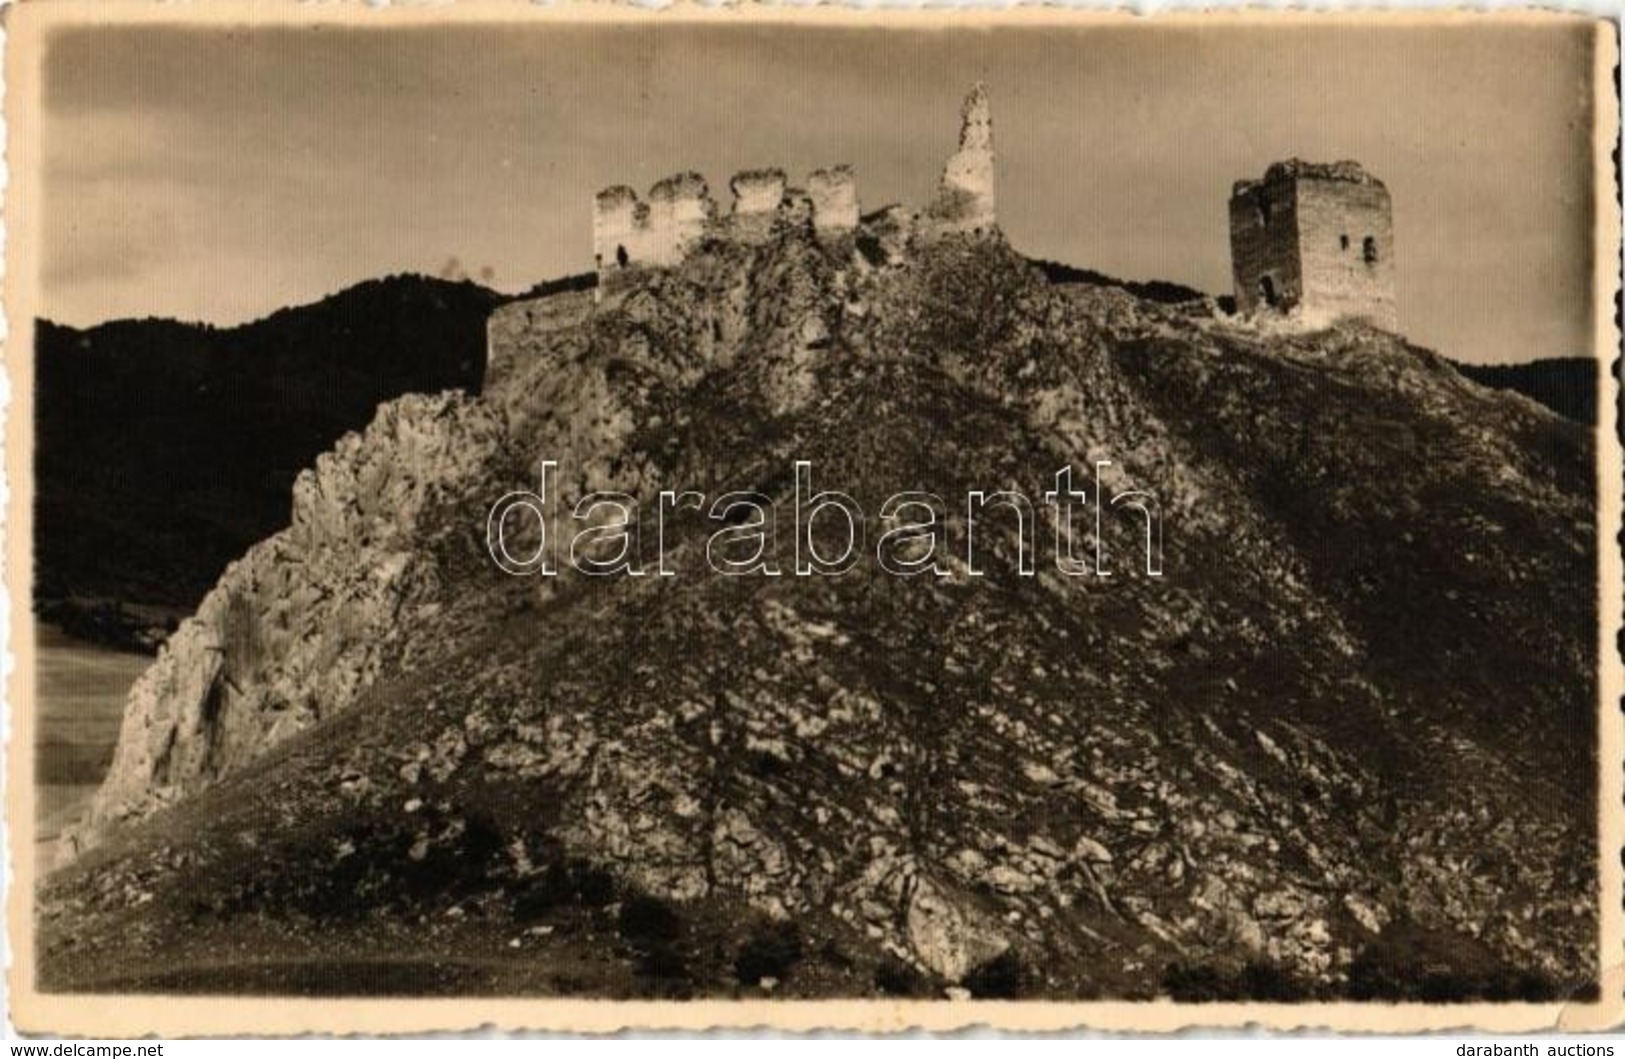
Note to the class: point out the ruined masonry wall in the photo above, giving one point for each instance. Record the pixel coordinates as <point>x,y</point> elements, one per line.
<point>1316,241</point>
<point>616,218</point>
<point>834,195</point>
<point>965,197</point>
<point>680,213</point>
<point>654,233</point>
<point>757,195</point>
<point>1343,277</point>
<point>629,233</point>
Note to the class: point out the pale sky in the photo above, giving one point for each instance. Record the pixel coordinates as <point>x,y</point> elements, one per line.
<point>217,175</point>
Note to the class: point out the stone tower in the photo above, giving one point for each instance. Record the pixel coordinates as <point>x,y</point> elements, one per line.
<point>1316,242</point>
<point>964,200</point>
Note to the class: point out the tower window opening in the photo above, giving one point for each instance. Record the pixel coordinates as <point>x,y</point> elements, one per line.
<point>1264,210</point>
<point>621,256</point>
<point>1370,250</point>
<point>1343,240</point>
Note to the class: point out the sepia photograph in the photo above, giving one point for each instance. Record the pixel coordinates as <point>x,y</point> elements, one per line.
<point>705,511</point>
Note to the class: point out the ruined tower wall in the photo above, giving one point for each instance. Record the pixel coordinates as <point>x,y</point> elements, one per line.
<point>1264,246</point>
<point>965,197</point>
<point>1346,251</point>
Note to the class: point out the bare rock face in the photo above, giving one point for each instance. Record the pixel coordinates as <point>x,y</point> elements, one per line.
<point>309,618</point>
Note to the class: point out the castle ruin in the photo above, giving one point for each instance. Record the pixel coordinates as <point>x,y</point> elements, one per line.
<point>1314,242</point>
<point>631,235</point>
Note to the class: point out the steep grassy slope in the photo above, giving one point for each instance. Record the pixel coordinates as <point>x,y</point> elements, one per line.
<point>1341,747</point>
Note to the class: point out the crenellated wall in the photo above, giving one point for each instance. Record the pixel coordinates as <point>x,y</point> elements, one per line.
<point>680,215</point>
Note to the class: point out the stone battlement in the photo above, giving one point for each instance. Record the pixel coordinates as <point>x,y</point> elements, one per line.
<point>1310,241</point>
<point>631,234</point>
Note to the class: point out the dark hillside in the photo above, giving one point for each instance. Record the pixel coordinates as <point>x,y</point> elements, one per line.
<point>1370,650</point>
<point>166,449</point>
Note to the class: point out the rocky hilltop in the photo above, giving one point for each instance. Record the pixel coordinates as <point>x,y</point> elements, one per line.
<point>1342,747</point>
